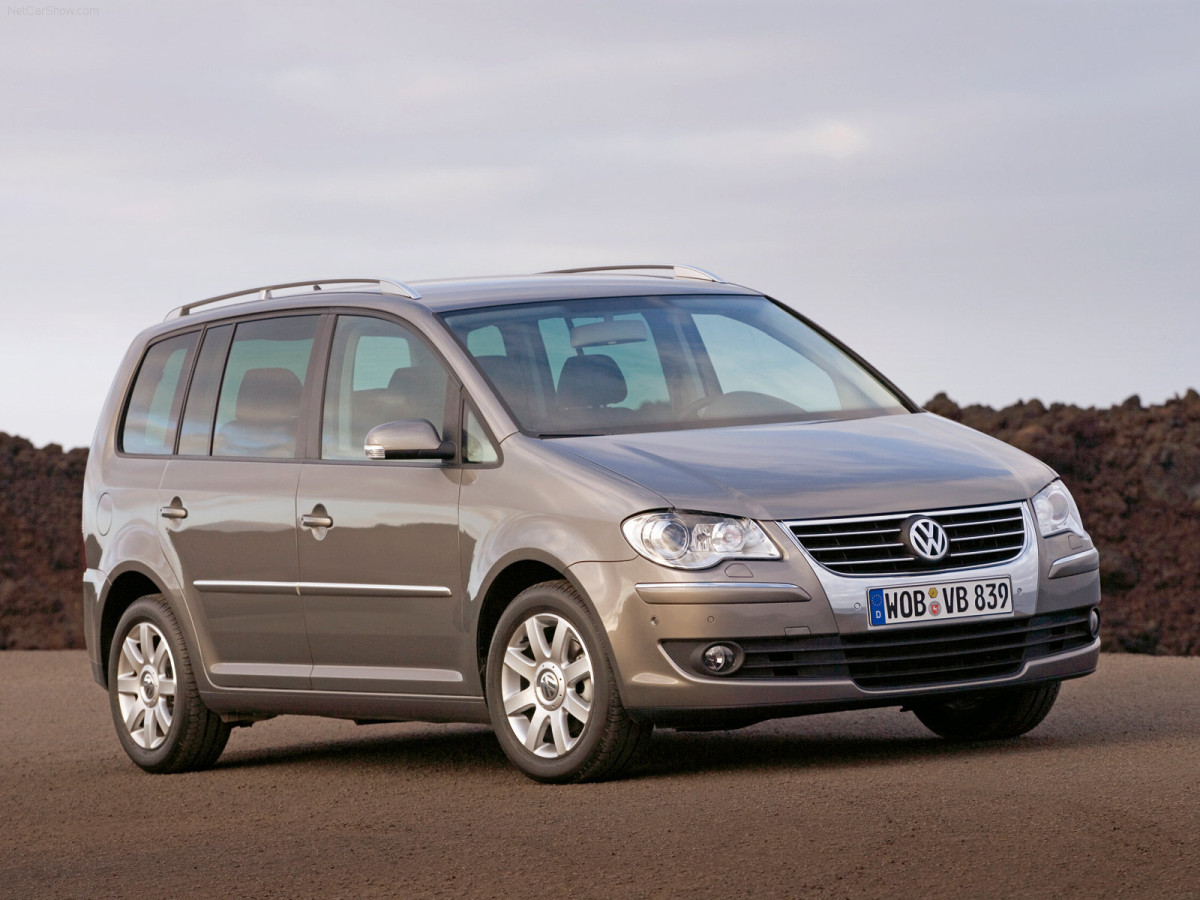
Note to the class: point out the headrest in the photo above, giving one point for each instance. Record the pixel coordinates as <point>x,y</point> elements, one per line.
<point>409,380</point>
<point>588,381</point>
<point>268,395</point>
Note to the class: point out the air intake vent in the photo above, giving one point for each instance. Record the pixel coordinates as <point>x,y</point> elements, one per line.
<point>909,657</point>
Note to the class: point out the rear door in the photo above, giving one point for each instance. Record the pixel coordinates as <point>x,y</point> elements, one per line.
<point>228,500</point>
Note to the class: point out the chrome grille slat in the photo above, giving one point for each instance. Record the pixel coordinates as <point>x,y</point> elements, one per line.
<point>975,552</point>
<point>844,548</point>
<point>870,545</point>
<point>984,537</point>
<point>865,562</point>
<point>865,531</point>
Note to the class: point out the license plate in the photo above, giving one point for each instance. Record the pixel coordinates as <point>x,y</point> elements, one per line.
<point>938,602</point>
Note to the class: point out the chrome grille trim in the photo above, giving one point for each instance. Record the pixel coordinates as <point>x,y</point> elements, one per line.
<point>870,545</point>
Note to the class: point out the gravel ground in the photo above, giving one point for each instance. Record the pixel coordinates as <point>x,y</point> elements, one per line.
<point>1102,799</point>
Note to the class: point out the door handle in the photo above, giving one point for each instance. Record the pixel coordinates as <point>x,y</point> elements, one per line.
<point>319,521</point>
<point>175,511</point>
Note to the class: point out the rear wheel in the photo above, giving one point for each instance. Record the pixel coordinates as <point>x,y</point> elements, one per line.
<point>989,715</point>
<point>156,707</point>
<point>553,698</point>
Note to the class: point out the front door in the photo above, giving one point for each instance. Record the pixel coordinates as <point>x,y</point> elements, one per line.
<point>378,543</point>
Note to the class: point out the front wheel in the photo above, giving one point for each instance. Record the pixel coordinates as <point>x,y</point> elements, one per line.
<point>989,715</point>
<point>160,719</point>
<point>553,698</point>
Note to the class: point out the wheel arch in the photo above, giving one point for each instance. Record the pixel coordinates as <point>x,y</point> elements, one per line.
<point>510,578</point>
<point>126,588</point>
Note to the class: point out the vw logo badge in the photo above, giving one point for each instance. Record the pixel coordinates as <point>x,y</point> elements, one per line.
<point>149,687</point>
<point>925,538</point>
<point>548,685</point>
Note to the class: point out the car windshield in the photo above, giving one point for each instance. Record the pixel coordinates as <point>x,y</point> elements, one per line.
<point>631,364</point>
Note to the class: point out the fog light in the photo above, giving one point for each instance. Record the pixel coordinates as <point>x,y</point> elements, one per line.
<point>720,659</point>
<point>1094,622</point>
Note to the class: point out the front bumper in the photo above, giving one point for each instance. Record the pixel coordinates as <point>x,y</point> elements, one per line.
<point>814,649</point>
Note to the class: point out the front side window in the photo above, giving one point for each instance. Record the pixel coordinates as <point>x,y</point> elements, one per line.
<point>258,408</point>
<point>152,414</point>
<point>379,372</point>
<point>629,364</point>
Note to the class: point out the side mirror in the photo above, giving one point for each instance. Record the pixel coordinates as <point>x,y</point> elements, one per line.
<point>408,439</point>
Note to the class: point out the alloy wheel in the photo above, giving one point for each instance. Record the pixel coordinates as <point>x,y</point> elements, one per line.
<point>547,685</point>
<point>146,685</point>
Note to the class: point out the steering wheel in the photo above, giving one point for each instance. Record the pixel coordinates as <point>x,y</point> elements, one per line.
<point>747,402</point>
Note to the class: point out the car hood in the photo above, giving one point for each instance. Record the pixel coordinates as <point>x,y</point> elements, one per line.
<point>881,464</point>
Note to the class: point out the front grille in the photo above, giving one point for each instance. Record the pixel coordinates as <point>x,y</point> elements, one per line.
<point>909,657</point>
<point>871,545</point>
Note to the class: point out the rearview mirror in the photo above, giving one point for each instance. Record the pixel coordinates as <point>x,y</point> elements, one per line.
<point>407,439</point>
<point>608,333</point>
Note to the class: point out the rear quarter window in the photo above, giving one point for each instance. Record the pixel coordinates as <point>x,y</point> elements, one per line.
<point>152,412</point>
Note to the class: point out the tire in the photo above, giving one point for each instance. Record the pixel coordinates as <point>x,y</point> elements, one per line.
<point>989,715</point>
<point>552,694</point>
<point>156,707</point>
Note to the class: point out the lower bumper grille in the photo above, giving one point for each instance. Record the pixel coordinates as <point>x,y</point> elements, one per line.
<point>910,657</point>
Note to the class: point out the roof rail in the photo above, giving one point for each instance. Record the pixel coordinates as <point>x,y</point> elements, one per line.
<point>387,285</point>
<point>676,271</point>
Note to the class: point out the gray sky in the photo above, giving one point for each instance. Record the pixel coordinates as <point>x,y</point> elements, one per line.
<point>995,199</point>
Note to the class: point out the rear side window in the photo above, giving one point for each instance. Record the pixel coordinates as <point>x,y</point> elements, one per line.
<point>195,434</point>
<point>152,414</point>
<point>258,408</point>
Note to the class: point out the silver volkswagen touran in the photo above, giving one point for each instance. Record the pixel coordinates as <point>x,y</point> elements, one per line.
<point>572,505</point>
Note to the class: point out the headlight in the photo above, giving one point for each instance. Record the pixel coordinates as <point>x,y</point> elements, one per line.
<point>696,541</point>
<point>1056,511</point>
